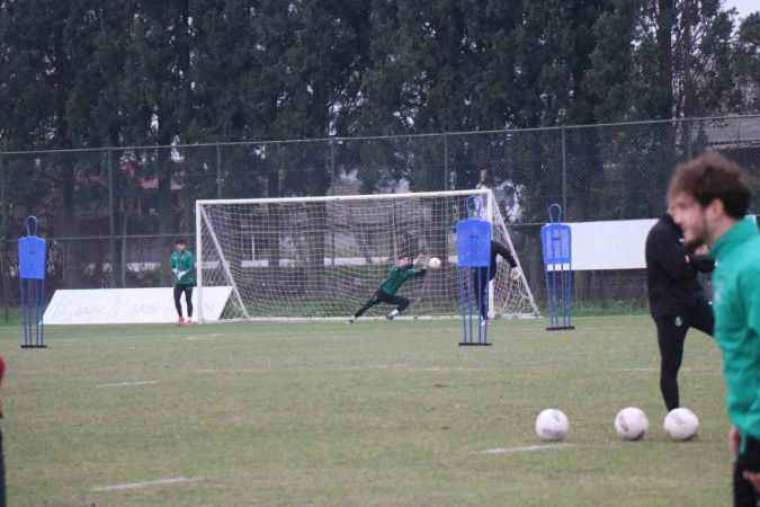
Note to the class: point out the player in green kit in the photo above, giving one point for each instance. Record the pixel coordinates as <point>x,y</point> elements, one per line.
<point>183,266</point>
<point>709,197</point>
<point>402,271</point>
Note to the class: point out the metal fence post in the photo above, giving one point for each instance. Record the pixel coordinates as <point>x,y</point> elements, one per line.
<point>564,171</point>
<point>111,218</point>
<point>4,275</point>
<point>685,128</point>
<point>219,178</point>
<point>445,161</point>
<point>333,176</point>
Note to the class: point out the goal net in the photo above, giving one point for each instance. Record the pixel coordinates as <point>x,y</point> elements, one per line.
<point>323,257</point>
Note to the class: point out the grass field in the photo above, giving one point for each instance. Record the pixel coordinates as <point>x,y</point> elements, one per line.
<point>379,413</point>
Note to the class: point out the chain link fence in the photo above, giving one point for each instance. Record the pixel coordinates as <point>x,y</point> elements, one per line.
<point>111,215</point>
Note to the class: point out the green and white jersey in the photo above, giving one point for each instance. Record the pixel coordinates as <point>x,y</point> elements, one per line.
<point>736,303</point>
<point>183,267</point>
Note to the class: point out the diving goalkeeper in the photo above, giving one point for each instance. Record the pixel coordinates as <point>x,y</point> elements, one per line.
<point>402,271</point>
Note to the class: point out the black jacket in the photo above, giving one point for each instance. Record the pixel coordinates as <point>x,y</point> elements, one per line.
<point>499,249</point>
<point>671,271</point>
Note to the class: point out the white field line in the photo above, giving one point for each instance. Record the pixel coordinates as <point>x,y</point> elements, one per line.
<point>201,337</point>
<point>527,448</point>
<point>129,384</point>
<point>653,369</point>
<point>144,484</point>
<point>401,367</point>
<point>235,370</point>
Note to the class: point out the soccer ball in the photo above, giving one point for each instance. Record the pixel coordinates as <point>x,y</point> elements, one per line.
<point>434,263</point>
<point>681,424</point>
<point>552,425</point>
<point>631,423</point>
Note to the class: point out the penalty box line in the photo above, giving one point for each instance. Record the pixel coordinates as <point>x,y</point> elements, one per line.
<point>145,484</point>
<point>128,384</point>
<point>527,448</point>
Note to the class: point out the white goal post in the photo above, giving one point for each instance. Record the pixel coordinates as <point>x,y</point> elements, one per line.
<point>298,258</point>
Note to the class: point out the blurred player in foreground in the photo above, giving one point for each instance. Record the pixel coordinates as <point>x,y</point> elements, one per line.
<point>709,197</point>
<point>676,299</point>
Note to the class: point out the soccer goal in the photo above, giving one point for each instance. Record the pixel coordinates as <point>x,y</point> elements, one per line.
<point>322,257</point>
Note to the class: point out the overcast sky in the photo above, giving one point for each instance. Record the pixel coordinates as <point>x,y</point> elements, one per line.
<point>743,6</point>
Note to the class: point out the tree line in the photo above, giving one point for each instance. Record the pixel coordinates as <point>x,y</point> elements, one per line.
<point>87,73</point>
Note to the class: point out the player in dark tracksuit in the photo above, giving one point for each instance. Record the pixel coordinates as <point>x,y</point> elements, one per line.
<point>676,299</point>
<point>386,293</point>
<point>482,276</point>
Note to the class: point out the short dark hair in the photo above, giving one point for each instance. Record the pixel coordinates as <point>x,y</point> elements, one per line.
<point>180,241</point>
<point>711,176</point>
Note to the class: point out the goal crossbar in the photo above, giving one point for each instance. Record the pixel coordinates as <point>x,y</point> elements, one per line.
<point>357,197</point>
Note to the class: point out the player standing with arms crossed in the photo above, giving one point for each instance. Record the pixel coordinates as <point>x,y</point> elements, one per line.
<point>709,197</point>
<point>183,266</point>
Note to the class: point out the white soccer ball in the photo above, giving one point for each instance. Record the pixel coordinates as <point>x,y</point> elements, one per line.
<point>631,423</point>
<point>552,425</point>
<point>681,424</point>
<point>434,263</point>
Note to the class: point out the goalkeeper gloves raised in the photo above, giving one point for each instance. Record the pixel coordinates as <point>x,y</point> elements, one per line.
<point>514,274</point>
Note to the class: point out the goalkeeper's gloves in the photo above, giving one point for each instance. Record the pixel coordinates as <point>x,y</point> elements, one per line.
<point>515,274</point>
<point>421,261</point>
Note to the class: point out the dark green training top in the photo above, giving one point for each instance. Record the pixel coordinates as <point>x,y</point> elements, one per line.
<point>183,267</point>
<point>397,277</point>
<point>736,303</point>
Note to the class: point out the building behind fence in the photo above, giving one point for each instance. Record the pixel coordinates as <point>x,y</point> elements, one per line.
<point>112,214</point>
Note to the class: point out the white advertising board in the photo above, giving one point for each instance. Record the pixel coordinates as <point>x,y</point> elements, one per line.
<point>615,244</point>
<point>128,306</point>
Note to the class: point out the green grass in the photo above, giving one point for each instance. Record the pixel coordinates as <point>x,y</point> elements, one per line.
<point>10,316</point>
<point>379,413</point>
<point>608,308</point>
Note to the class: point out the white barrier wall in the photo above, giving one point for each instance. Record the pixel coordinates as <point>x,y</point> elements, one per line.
<point>128,306</point>
<point>614,244</point>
